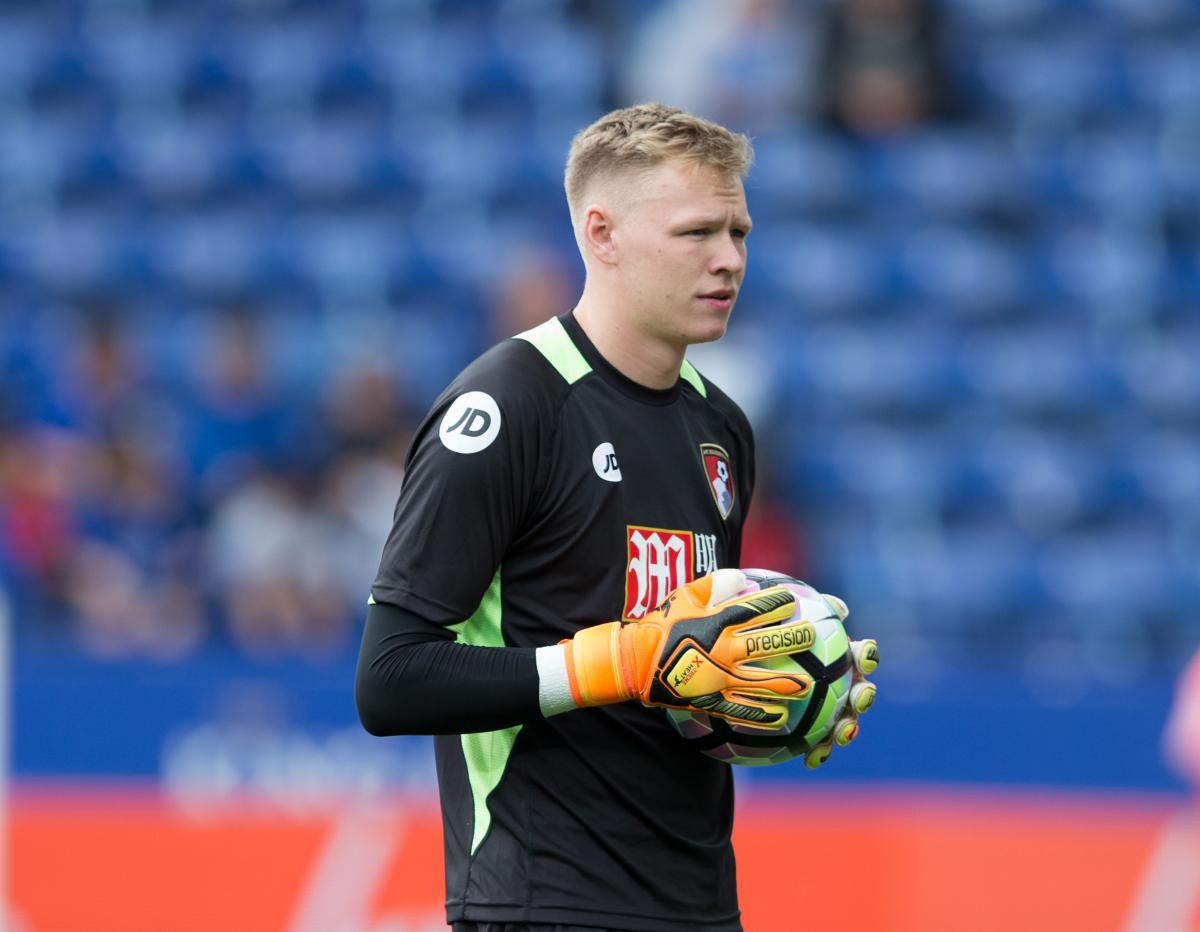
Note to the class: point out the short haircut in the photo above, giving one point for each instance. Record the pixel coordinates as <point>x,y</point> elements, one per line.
<point>642,136</point>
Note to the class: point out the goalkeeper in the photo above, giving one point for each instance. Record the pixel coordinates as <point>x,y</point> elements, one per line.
<point>558,543</point>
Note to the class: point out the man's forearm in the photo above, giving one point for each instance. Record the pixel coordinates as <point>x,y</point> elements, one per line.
<point>413,679</point>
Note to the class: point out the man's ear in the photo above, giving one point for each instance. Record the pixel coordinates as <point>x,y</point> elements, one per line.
<point>598,234</point>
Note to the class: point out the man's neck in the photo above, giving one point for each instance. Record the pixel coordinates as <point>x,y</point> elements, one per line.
<point>648,361</point>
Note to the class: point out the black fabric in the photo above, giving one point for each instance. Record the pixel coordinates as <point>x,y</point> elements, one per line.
<point>596,817</point>
<point>412,679</point>
<point>524,927</point>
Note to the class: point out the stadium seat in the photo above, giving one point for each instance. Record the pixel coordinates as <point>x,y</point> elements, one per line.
<point>823,266</point>
<point>1052,81</point>
<point>958,173</point>
<point>804,171</point>
<point>987,327</point>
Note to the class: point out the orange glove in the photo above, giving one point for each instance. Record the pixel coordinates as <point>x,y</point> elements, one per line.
<point>694,651</point>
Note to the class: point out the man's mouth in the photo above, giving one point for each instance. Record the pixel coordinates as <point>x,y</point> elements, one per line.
<point>720,297</point>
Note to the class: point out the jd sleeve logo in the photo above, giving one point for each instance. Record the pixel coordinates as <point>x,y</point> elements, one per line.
<point>471,423</point>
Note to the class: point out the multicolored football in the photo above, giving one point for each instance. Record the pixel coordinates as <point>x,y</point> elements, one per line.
<point>810,719</point>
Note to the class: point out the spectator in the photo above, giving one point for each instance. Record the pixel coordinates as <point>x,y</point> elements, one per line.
<point>535,285</point>
<point>733,61</point>
<point>370,429</point>
<point>266,550</point>
<point>882,68</point>
<point>39,468</point>
<point>237,424</point>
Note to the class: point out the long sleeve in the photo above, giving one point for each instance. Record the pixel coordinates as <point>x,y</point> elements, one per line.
<point>413,678</point>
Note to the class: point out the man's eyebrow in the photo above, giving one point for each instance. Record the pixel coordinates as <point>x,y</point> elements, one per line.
<point>707,220</point>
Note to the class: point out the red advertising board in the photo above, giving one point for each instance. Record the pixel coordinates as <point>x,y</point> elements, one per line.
<point>808,859</point>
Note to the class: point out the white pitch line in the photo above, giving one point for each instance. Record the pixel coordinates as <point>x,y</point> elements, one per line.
<point>1169,892</point>
<point>343,882</point>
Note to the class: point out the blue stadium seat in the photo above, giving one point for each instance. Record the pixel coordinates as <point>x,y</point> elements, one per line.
<point>1120,169</point>
<point>960,583</point>
<point>284,61</point>
<point>1041,367</point>
<point>963,270</point>
<point>1053,80</point>
<point>886,366</point>
<point>1164,464</point>
<point>984,333</point>
<point>995,16</point>
<point>1160,373</point>
<point>1120,269</point>
<point>823,266</point>
<point>562,64</point>
<point>1161,75</point>
<point>352,87</point>
<point>1149,16</point>
<point>959,173</point>
<point>1046,480</point>
<point>804,171</point>
<point>1117,576</point>
<point>28,44</point>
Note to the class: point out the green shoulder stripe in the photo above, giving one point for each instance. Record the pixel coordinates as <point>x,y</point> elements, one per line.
<point>689,374</point>
<point>486,753</point>
<point>552,341</point>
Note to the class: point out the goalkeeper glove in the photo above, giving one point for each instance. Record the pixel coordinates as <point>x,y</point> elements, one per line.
<point>693,652</point>
<point>862,693</point>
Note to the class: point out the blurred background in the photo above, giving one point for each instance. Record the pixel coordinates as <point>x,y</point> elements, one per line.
<point>244,244</point>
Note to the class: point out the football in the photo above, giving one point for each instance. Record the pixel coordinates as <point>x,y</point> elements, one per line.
<point>810,719</point>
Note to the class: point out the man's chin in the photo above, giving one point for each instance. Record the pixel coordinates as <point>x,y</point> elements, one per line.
<point>706,331</point>
<point>710,336</point>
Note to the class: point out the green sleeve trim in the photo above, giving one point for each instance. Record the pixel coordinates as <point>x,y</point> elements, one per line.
<point>486,753</point>
<point>689,374</point>
<point>552,341</point>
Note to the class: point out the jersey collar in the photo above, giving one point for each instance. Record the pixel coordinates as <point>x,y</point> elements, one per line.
<point>612,375</point>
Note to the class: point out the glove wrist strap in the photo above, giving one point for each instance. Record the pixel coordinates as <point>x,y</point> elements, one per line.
<point>594,666</point>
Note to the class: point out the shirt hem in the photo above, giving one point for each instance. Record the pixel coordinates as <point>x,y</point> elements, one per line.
<point>550,915</point>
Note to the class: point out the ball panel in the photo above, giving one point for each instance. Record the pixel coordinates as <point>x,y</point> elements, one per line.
<point>824,718</point>
<point>809,719</point>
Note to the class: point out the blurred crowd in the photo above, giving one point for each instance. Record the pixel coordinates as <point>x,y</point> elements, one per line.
<point>151,513</point>
<point>243,244</point>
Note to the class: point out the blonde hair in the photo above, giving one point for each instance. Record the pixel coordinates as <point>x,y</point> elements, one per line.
<point>645,135</point>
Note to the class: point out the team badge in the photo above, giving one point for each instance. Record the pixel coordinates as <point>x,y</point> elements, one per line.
<point>720,476</point>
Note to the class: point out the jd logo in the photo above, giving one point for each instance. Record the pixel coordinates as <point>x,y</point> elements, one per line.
<point>471,423</point>
<point>604,461</point>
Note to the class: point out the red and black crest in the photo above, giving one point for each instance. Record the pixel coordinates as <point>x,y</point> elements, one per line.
<point>720,476</point>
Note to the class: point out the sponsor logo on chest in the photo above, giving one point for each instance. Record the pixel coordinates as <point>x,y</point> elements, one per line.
<point>659,561</point>
<point>604,461</point>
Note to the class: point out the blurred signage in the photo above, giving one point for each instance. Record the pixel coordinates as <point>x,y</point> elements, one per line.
<point>135,861</point>
<point>223,725</point>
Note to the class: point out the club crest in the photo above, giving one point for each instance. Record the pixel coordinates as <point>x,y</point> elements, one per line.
<point>720,476</point>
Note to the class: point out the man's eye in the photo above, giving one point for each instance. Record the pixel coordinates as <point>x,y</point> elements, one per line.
<point>697,233</point>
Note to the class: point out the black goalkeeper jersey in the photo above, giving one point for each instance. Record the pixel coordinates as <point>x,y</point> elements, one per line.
<point>546,492</point>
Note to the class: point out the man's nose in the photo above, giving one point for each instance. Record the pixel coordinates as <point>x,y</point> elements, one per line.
<point>731,256</point>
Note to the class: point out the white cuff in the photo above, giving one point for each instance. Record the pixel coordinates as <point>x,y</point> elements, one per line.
<point>554,689</point>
